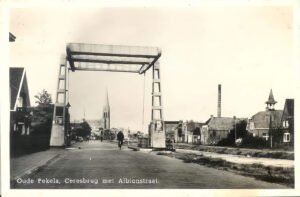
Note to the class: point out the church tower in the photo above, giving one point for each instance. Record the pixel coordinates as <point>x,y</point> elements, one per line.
<point>106,113</point>
<point>271,102</point>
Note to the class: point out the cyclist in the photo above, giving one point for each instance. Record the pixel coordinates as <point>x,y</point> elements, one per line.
<point>120,138</point>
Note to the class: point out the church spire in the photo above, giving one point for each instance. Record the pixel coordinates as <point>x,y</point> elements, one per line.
<point>106,112</point>
<point>271,101</point>
<point>106,104</point>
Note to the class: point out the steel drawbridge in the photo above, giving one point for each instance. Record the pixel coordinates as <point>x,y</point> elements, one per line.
<point>109,58</point>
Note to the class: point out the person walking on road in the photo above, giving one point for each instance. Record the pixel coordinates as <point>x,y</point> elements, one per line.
<point>120,138</point>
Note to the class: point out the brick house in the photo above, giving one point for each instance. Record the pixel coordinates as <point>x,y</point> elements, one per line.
<point>278,124</point>
<point>216,129</point>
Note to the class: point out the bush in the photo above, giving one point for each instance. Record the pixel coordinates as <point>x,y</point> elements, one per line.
<point>253,142</point>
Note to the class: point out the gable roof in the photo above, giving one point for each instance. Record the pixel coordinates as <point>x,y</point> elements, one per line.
<point>12,37</point>
<point>17,83</point>
<point>220,123</point>
<point>262,119</point>
<point>288,111</point>
<point>191,125</point>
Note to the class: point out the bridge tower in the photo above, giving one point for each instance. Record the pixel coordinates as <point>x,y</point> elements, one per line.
<point>58,131</point>
<point>157,131</point>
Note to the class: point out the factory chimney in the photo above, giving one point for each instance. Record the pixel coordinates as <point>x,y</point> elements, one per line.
<point>219,100</point>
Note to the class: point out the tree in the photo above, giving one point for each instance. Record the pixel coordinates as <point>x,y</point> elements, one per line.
<point>84,129</point>
<point>240,132</point>
<point>43,98</point>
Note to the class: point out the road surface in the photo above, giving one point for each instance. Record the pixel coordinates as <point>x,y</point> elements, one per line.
<point>101,165</point>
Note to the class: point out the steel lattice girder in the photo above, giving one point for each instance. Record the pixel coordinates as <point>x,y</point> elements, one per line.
<point>114,58</point>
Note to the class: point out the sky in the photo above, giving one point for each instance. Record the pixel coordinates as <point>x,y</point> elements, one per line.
<point>249,50</point>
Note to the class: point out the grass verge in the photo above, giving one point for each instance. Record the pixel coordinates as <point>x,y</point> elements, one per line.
<point>280,175</point>
<point>240,151</point>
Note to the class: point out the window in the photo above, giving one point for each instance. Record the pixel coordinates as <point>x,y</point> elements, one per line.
<point>214,133</point>
<point>265,136</point>
<point>286,137</point>
<point>251,125</point>
<point>20,102</point>
<point>285,124</point>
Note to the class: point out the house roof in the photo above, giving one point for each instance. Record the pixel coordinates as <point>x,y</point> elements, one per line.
<point>288,110</point>
<point>262,119</point>
<point>12,38</point>
<point>17,82</point>
<point>193,125</point>
<point>171,122</point>
<point>220,123</point>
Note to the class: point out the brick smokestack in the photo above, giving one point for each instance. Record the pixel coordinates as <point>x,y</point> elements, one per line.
<point>219,99</point>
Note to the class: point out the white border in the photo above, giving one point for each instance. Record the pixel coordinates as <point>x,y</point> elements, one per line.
<point>4,105</point>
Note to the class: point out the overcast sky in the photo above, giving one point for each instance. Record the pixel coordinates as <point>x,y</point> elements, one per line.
<point>246,49</point>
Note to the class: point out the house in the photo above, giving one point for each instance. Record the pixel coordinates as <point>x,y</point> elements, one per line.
<point>191,132</point>
<point>183,132</point>
<point>215,129</point>
<point>275,126</point>
<point>19,101</point>
<point>171,129</point>
<point>259,123</point>
<point>287,122</point>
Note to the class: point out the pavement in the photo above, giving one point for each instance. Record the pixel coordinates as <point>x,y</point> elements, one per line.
<point>101,165</point>
<point>27,164</point>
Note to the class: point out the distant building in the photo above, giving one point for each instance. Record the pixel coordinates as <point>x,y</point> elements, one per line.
<point>215,129</point>
<point>94,124</point>
<point>191,132</point>
<point>171,129</point>
<point>276,123</point>
<point>218,128</point>
<point>183,132</point>
<point>19,101</point>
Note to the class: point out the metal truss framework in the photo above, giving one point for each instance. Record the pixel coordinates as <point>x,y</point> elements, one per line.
<point>111,58</point>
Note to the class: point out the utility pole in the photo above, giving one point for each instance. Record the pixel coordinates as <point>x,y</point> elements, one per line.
<point>271,131</point>
<point>234,129</point>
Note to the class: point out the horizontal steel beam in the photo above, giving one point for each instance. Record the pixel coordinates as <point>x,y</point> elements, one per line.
<point>112,54</point>
<point>104,69</point>
<point>145,57</point>
<point>112,49</point>
<point>108,61</point>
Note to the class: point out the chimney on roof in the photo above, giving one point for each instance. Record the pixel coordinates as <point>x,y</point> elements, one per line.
<point>219,100</point>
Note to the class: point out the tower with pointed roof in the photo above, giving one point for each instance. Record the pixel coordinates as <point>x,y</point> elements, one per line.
<point>271,102</point>
<point>106,113</point>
